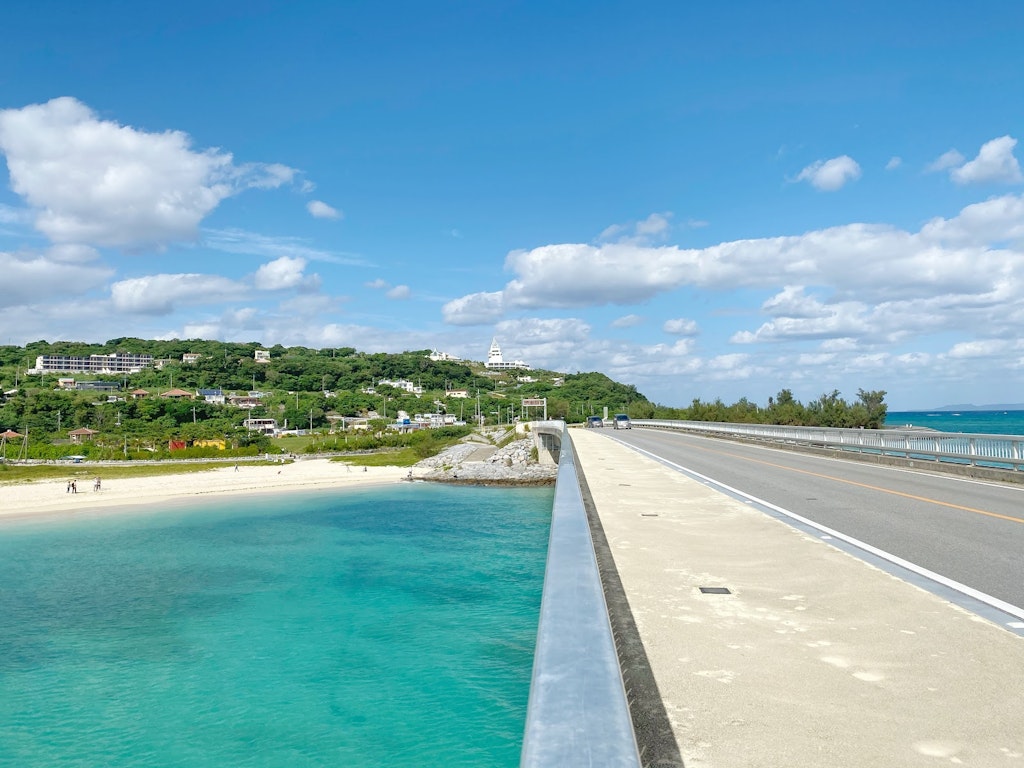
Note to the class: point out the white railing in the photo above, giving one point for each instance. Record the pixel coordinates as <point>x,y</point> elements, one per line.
<point>978,450</point>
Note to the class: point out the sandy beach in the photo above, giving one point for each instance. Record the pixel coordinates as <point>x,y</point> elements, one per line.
<point>52,496</point>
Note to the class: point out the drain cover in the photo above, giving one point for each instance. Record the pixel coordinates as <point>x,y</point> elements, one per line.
<point>715,590</point>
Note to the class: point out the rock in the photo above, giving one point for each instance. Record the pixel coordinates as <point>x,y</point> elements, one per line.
<point>510,465</point>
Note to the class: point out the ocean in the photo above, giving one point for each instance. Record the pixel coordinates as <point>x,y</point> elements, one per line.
<point>387,626</point>
<point>979,422</point>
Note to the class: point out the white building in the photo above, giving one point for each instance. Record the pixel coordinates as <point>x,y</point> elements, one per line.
<point>441,356</point>
<point>266,426</point>
<point>408,386</point>
<point>496,362</point>
<point>116,362</point>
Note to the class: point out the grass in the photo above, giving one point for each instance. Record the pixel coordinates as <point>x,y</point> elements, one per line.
<point>401,457</point>
<point>293,443</point>
<point>11,474</point>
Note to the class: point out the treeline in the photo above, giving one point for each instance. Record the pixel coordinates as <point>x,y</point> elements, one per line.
<point>299,388</point>
<point>829,410</point>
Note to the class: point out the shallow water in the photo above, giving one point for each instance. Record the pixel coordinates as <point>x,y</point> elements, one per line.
<point>978,422</point>
<point>390,626</point>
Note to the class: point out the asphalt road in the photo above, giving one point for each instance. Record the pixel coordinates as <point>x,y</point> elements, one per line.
<point>966,530</point>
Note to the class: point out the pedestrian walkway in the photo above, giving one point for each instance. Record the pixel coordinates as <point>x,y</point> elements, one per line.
<point>798,654</point>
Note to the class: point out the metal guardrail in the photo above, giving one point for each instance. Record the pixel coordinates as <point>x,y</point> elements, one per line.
<point>577,714</point>
<point>969,449</point>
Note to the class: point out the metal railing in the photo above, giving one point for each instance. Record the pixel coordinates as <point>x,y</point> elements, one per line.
<point>577,714</point>
<point>976,450</point>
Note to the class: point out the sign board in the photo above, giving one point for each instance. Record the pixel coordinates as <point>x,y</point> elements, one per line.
<point>527,401</point>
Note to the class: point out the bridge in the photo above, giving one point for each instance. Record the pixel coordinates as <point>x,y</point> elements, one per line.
<point>715,604</point>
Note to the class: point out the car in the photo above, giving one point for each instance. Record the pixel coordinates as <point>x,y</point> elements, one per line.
<point>595,421</point>
<point>621,421</point>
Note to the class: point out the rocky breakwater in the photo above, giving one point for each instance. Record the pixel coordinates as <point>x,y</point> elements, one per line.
<point>476,464</point>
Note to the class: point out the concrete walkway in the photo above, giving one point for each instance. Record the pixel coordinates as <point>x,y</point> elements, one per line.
<point>814,658</point>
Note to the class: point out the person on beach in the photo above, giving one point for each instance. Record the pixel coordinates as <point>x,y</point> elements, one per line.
<point>69,487</point>
<point>96,483</point>
<point>74,486</point>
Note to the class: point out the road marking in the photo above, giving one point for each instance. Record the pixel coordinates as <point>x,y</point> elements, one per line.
<point>869,487</point>
<point>938,578</point>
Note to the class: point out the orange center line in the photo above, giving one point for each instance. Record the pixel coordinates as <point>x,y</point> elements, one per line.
<point>871,487</point>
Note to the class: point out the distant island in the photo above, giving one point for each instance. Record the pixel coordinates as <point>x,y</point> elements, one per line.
<point>972,407</point>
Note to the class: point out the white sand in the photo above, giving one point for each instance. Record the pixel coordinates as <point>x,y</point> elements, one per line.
<point>51,496</point>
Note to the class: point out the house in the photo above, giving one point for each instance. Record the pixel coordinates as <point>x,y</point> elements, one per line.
<point>443,356</point>
<point>457,393</point>
<point>408,386</point>
<point>215,396</point>
<point>190,358</point>
<point>266,426</point>
<point>176,394</point>
<point>137,393</point>
<point>248,402</point>
<point>82,434</point>
<point>97,386</point>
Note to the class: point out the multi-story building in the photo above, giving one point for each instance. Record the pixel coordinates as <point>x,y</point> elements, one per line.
<point>496,362</point>
<point>114,363</point>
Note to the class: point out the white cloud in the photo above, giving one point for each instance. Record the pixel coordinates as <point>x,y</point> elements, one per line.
<point>650,230</point>
<point>947,160</point>
<point>627,321</point>
<point>830,175</point>
<point>894,163</point>
<point>253,244</point>
<point>158,294</point>
<point>533,331</point>
<point>791,301</point>
<point>399,292</point>
<point>979,349</point>
<point>377,284</point>
<point>871,262</point>
<point>94,181</point>
<point>995,163</point>
<point>38,278</point>
<point>474,309</point>
<point>680,327</point>
<point>284,273</point>
<point>999,219</point>
<point>321,210</point>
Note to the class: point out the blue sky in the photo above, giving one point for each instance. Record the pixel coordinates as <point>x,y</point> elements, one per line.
<point>701,199</point>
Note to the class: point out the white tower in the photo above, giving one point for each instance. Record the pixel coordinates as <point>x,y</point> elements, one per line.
<point>494,354</point>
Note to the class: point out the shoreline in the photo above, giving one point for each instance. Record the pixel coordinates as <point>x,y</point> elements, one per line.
<point>21,501</point>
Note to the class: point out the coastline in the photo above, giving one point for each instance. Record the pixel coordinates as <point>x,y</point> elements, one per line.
<point>21,500</point>
<point>463,464</point>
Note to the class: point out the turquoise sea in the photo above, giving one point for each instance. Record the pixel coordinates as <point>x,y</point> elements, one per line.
<point>980,422</point>
<point>380,627</point>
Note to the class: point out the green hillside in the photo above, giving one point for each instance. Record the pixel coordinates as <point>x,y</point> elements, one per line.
<point>310,389</point>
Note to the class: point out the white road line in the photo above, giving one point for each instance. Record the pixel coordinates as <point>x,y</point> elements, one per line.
<point>963,589</point>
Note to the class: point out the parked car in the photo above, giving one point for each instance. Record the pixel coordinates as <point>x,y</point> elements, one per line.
<point>621,421</point>
<point>595,421</point>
